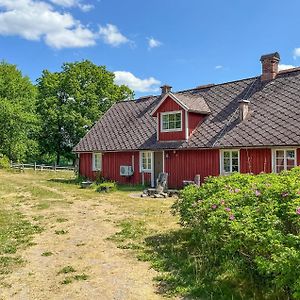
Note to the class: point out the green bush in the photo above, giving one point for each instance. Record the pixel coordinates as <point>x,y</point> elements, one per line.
<point>247,229</point>
<point>4,162</point>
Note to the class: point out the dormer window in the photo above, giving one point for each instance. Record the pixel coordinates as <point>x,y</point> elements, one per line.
<point>171,121</point>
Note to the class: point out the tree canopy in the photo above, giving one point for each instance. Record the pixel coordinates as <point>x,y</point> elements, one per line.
<point>18,121</point>
<point>71,101</point>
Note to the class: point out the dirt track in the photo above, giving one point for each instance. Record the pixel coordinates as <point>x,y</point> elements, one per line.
<point>112,273</point>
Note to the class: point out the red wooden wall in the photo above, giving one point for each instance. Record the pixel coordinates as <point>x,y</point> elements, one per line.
<point>85,165</point>
<point>111,162</point>
<point>179,164</point>
<point>255,161</point>
<point>194,120</point>
<point>185,164</point>
<point>167,106</point>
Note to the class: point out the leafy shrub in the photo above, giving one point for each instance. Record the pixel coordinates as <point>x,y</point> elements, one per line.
<point>4,162</point>
<point>247,229</point>
<point>106,187</point>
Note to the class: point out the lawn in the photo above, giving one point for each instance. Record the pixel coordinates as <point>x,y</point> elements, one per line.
<point>59,241</point>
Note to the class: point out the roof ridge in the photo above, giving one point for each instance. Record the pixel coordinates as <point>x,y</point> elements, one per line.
<point>218,84</point>
<point>290,70</point>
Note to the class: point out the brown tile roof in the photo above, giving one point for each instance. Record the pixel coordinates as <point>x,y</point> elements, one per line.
<point>194,102</point>
<point>274,118</point>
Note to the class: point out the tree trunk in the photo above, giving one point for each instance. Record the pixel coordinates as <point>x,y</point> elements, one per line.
<point>57,158</point>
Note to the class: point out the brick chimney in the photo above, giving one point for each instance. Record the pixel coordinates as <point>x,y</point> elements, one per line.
<point>269,63</point>
<point>165,89</point>
<point>244,109</point>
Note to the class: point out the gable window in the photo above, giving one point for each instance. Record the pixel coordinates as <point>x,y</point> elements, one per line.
<point>97,161</point>
<point>146,161</point>
<point>171,121</point>
<point>284,159</point>
<point>230,161</point>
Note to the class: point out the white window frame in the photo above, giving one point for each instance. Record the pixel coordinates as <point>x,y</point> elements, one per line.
<point>222,171</point>
<point>170,113</point>
<point>284,158</point>
<point>146,170</point>
<point>94,167</point>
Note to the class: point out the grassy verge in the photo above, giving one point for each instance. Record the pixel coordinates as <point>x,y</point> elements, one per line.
<point>175,255</point>
<point>15,233</point>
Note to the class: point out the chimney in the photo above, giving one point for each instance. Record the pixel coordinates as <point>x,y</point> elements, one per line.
<point>244,109</point>
<point>165,89</point>
<point>269,64</point>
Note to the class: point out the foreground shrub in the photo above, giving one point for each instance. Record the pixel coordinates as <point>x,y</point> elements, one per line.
<point>4,162</point>
<point>247,229</point>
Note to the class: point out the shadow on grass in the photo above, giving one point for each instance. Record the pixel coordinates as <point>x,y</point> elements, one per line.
<point>186,269</point>
<point>73,181</point>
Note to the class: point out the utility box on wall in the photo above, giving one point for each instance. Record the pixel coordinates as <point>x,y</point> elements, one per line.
<point>126,170</point>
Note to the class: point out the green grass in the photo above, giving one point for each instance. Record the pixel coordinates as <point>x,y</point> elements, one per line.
<point>47,253</point>
<point>66,270</point>
<point>61,220</point>
<point>15,233</point>
<point>130,230</point>
<point>81,277</point>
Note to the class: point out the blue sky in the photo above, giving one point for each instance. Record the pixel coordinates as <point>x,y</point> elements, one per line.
<point>184,43</point>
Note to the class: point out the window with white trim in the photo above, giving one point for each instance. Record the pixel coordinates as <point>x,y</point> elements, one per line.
<point>284,159</point>
<point>171,121</point>
<point>97,161</point>
<point>146,161</point>
<point>230,161</point>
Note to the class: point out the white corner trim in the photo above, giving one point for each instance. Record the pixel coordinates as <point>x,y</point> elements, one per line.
<point>152,169</point>
<point>186,126</point>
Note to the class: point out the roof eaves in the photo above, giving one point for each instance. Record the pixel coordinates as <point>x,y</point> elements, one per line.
<point>164,98</point>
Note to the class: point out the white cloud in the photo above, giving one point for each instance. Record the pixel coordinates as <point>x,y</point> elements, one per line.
<point>36,20</point>
<point>138,85</point>
<point>153,43</point>
<point>218,67</point>
<point>73,3</point>
<point>112,36</point>
<point>296,52</point>
<point>285,67</point>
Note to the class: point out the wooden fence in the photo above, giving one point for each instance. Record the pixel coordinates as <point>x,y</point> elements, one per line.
<point>41,167</point>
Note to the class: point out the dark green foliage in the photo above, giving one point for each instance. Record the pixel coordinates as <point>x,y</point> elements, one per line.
<point>246,232</point>
<point>18,121</point>
<point>71,101</point>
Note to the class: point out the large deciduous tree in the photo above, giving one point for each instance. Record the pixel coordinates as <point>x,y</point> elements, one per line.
<point>71,101</point>
<point>18,121</point>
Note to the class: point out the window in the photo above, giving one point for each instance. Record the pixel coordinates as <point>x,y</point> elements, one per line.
<point>171,121</point>
<point>97,161</point>
<point>230,161</point>
<point>284,159</point>
<point>146,161</point>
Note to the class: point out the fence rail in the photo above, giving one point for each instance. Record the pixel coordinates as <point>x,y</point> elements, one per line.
<point>40,167</point>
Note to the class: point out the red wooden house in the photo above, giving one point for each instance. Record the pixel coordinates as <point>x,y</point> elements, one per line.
<point>249,125</point>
